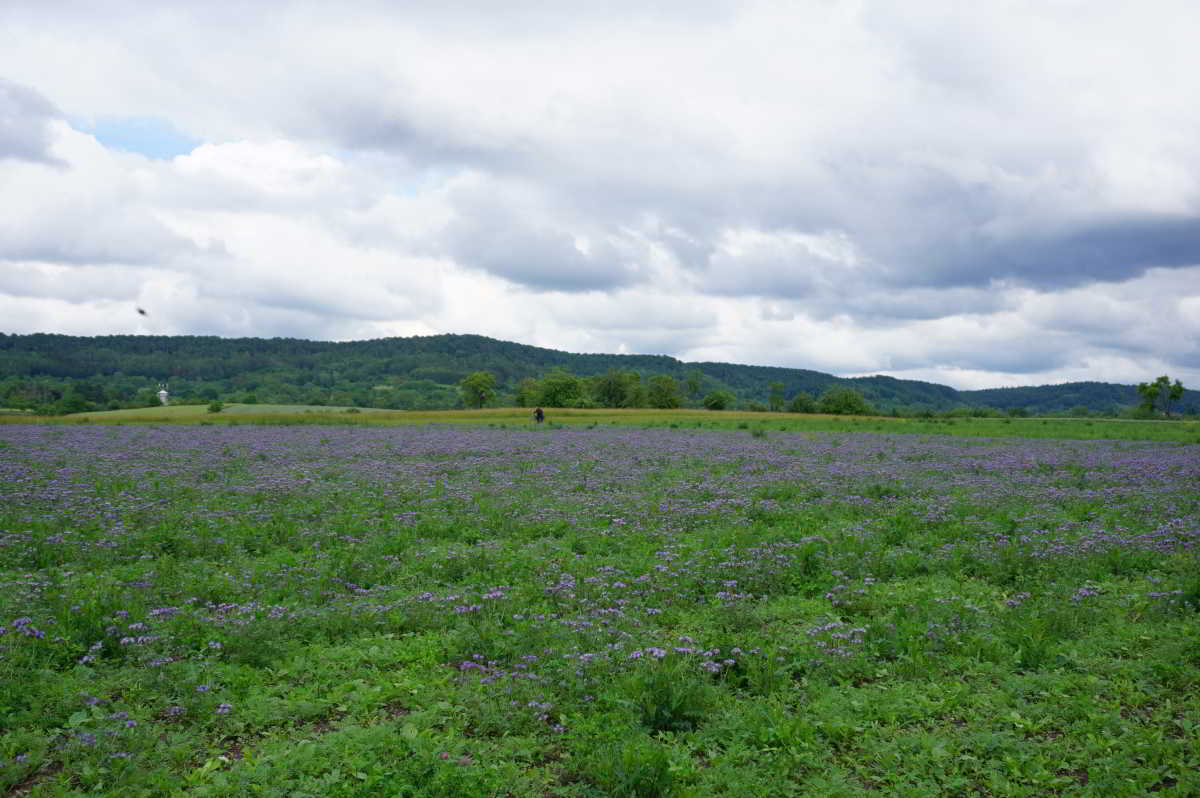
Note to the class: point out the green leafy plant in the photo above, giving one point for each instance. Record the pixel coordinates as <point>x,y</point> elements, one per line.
<point>639,768</point>
<point>669,696</point>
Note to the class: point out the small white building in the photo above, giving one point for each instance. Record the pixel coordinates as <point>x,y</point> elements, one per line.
<point>163,396</point>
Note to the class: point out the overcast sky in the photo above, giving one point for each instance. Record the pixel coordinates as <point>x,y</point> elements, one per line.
<point>978,194</point>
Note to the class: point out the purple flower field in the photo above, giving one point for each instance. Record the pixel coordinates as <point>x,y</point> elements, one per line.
<point>837,608</point>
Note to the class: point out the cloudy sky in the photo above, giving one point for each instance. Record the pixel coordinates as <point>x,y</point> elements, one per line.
<point>979,194</point>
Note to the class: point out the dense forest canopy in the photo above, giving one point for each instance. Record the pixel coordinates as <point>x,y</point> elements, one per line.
<point>61,373</point>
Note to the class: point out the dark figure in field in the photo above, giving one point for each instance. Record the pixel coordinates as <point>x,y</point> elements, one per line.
<point>539,416</point>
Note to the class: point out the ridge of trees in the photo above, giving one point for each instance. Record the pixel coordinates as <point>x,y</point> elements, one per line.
<point>62,373</point>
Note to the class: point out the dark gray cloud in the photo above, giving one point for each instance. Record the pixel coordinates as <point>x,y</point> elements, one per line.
<point>776,268</point>
<point>510,233</point>
<point>1112,249</point>
<point>380,115</point>
<point>70,284</point>
<point>1188,357</point>
<point>540,259</point>
<point>875,307</point>
<point>925,238</point>
<point>25,117</point>
<point>110,235</point>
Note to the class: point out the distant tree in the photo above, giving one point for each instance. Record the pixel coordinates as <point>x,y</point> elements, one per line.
<point>561,388</point>
<point>776,397</point>
<point>529,393</point>
<point>844,401</point>
<point>90,391</point>
<point>73,402</point>
<point>635,391</point>
<point>663,392</point>
<point>147,397</point>
<point>694,383</point>
<point>613,388</point>
<point>719,400</point>
<point>215,407</point>
<point>478,388</point>
<point>1160,394</point>
<point>802,403</point>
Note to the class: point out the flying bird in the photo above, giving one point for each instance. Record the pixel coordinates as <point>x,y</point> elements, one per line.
<point>142,311</point>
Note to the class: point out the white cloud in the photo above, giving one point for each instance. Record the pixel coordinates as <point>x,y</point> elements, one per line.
<point>1005,191</point>
<point>97,207</point>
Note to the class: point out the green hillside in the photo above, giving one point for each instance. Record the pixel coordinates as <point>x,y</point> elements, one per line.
<point>1096,396</point>
<point>60,373</point>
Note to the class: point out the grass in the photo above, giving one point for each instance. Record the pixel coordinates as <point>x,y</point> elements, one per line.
<point>192,413</point>
<point>764,423</point>
<point>591,609</point>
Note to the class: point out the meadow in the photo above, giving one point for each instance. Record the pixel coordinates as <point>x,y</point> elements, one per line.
<point>1179,431</point>
<point>625,606</point>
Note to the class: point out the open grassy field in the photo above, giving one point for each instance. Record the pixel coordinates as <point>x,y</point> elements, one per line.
<point>194,413</point>
<point>451,610</point>
<point>1053,428</point>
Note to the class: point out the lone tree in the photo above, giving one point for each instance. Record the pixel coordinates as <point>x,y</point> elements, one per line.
<point>478,389</point>
<point>1160,394</point>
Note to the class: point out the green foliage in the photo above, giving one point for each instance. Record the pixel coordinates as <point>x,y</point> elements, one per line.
<point>529,393</point>
<point>935,616</point>
<point>560,388</point>
<point>719,400</point>
<point>637,768</point>
<point>1160,394</point>
<point>802,403</point>
<point>844,402</point>
<point>215,406</point>
<point>609,389</point>
<point>663,392</point>
<point>776,397</point>
<point>426,372</point>
<point>669,696</point>
<point>478,388</point>
<point>617,389</point>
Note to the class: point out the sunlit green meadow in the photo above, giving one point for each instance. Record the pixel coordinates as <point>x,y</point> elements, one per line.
<point>1181,431</point>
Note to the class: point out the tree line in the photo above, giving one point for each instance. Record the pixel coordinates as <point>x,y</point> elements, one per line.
<point>627,389</point>
<point>64,374</point>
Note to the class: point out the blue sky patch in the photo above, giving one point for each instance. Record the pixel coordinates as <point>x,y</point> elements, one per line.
<point>151,136</point>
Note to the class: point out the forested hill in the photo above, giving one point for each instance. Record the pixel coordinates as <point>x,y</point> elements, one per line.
<point>424,371</point>
<point>1094,395</point>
